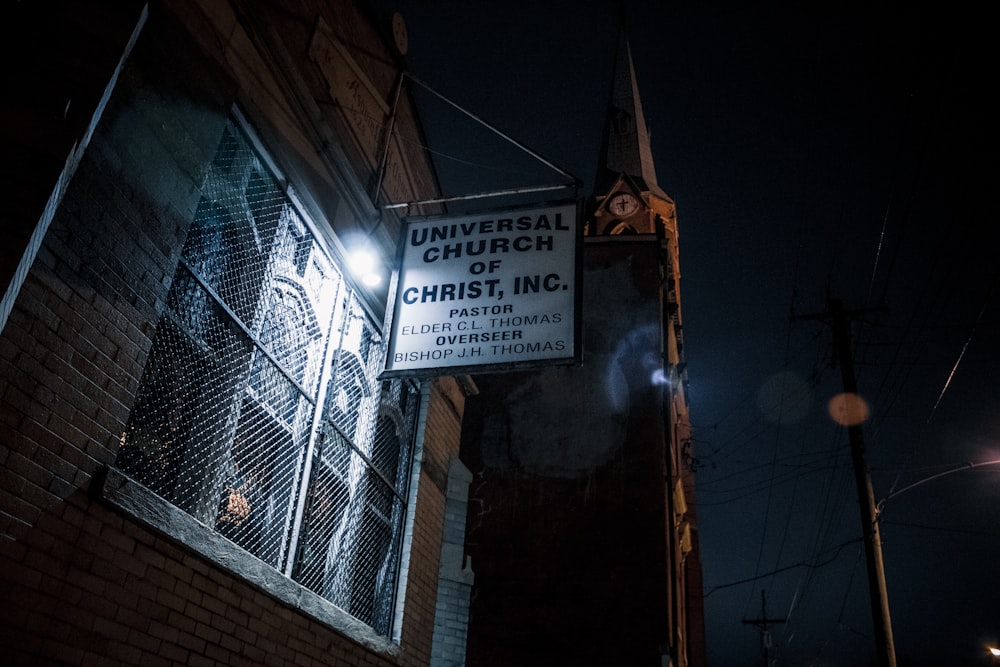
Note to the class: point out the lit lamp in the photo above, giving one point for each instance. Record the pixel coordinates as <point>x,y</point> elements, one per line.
<point>364,266</point>
<point>994,651</point>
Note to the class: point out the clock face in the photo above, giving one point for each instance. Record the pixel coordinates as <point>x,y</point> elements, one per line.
<point>623,204</point>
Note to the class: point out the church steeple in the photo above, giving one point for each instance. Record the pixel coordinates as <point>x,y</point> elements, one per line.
<point>630,220</point>
<point>626,148</point>
<point>627,198</point>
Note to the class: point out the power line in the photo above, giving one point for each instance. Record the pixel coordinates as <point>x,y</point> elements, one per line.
<point>947,383</point>
<point>813,566</point>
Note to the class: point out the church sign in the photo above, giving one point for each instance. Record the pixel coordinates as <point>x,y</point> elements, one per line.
<point>487,292</point>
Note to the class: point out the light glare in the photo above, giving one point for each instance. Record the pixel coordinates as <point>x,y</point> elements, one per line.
<point>362,262</point>
<point>364,265</point>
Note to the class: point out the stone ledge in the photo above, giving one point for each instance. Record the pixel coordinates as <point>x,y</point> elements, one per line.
<point>134,500</point>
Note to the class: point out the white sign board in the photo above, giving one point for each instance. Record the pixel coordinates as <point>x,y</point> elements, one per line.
<point>486,292</point>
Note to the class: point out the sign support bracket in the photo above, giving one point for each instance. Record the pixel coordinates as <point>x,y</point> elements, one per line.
<point>574,182</point>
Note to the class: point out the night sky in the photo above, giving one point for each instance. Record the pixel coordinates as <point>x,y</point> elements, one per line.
<point>811,157</point>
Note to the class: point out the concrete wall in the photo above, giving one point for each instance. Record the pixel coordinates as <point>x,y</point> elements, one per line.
<point>455,577</point>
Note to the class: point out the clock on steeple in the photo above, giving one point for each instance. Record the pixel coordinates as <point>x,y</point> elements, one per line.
<point>627,198</point>
<point>622,204</point>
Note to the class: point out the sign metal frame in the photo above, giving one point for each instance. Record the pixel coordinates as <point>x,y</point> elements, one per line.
<point>487,292</point>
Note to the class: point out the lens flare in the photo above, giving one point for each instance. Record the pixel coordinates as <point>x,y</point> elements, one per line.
<point>848,409</point>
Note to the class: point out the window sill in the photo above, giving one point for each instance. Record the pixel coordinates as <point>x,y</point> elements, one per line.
<point>136,501</point>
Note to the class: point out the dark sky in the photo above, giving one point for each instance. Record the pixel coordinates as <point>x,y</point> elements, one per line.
<point>811,156</point>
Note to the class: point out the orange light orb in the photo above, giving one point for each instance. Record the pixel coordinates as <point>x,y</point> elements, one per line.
<point>848,409</point>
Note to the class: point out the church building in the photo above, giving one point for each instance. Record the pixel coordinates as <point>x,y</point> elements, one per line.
<point>204,460</point>
<point>581,529</point>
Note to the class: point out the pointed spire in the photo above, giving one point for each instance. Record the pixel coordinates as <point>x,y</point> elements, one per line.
<point>627,147</point>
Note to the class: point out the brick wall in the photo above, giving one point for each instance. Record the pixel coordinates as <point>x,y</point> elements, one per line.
<point>52,95</point>
<point>81,583</point>
<point>569,526</point>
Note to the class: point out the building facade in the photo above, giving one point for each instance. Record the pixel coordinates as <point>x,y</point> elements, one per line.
<point>201,462</point>
<point>581,525</point>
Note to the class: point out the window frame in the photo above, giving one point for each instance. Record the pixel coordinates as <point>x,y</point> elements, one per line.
<point>128,495</point>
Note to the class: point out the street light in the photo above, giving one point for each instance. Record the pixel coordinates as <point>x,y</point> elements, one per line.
<point>365,266</point>
<point>967,466</point>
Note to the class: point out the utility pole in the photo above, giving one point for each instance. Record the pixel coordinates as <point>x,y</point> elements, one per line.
<point>765,635</point>
<point>882,626</point>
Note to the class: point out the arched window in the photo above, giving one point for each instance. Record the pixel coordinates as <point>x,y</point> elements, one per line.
<point>258,411</point>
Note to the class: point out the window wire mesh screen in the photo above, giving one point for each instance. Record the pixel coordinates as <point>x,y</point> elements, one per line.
<point>259,412</point>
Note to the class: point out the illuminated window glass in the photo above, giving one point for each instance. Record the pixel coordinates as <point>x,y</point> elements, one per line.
<point>259,412</point>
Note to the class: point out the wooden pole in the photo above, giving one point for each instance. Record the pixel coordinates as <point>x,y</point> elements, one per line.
<point>765,635</point>
<point>882,626</point>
